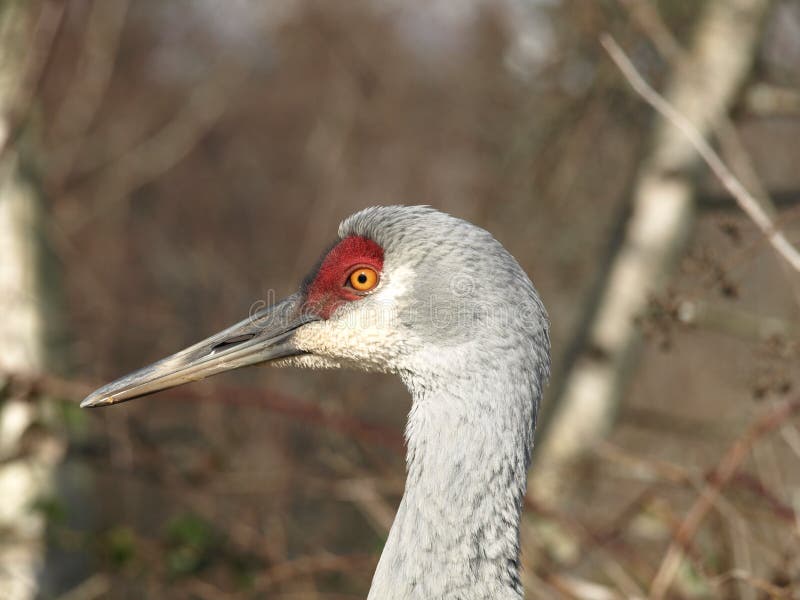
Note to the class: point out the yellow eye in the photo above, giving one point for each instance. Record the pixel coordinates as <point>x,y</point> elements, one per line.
<point>363,279</point>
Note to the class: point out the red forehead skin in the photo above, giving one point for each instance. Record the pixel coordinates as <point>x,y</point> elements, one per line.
<point>328,289</point>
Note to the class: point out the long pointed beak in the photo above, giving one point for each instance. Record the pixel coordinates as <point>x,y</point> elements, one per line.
<point>265,336</point>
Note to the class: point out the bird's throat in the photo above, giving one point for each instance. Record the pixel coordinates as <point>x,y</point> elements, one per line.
<point>456,533</point>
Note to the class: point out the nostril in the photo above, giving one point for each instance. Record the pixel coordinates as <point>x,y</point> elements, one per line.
<point>234,341</point>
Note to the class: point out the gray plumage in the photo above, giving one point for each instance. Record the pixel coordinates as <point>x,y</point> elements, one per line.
<point>475,359</point>
<point>455,316</point>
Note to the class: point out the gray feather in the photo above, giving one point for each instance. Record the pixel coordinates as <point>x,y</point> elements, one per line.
<point>475,361</point>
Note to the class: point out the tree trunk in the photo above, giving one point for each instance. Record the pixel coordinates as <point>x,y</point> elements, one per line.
<point>703,85</point>
<point>27,460</point>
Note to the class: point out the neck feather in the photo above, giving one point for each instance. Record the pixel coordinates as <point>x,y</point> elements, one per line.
<point>456,533</point>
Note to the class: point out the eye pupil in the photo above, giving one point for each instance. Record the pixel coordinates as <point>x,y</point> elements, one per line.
<point>363,279</point>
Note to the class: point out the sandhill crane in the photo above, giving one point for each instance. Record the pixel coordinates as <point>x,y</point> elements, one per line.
<point>438,301</point>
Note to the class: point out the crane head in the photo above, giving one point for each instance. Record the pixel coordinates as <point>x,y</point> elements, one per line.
<point>404,289</point>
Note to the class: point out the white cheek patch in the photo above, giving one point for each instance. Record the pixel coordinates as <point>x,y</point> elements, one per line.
<point>346,343</point>
<point>394,286</point>
<point>367,334</point>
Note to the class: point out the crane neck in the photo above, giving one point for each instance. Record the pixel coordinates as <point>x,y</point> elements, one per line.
<point>456,533</point>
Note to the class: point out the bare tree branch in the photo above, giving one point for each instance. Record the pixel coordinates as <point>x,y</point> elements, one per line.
<point>48,24</point>
<point>702,86</point>
<point>153,156</point>
<point>83,97</point>
<point>722,476</point>
<point>291,407</point>
<point>746,201</point>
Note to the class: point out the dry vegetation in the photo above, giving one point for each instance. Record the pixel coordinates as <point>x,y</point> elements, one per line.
<point>192,164</point>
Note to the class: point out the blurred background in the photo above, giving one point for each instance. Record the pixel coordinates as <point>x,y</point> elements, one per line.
<point>164,165</point>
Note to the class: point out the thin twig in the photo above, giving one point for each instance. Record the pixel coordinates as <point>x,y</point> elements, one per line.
<point>647,16</point>
<point>723,474</point>
<point>756,583</point>
<point>284,404</point>
<point>83,98</point>
<point>309,565</point>
<point>744,198</point>
<point>40,52</point>
<point>149,158</point>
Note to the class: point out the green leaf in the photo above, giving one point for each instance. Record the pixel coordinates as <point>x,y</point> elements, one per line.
<point>121,546</point>
<point>192,544</point>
